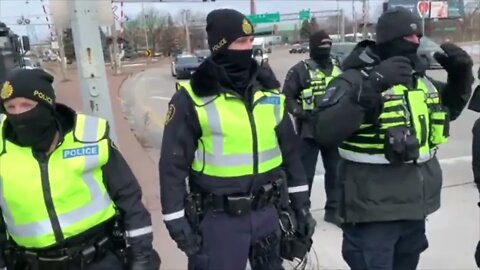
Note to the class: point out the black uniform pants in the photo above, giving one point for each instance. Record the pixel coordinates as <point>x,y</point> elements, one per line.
<point>228,241</point>
<point>330,158</point>
<point>392,245</point>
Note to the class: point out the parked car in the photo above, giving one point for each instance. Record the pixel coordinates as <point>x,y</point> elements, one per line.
<point>184,66</point>
<point>28,63</point>
<point>202,54</point>
<point>426,50</point>
<point>297,48</point>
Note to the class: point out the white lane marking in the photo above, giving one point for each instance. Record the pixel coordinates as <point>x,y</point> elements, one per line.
<point>161,98</point>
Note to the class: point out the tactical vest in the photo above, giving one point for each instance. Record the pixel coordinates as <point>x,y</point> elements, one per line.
<point>318,82</point>
<point>46,202</point>
<point>419,108</point>
<point>236,141</point>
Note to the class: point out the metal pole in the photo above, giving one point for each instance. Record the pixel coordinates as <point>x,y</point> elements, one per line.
<point>364,30</point>
<point>342,25</point>
<point>423,24</point>
<point>253,9</point>
<point>91,66</point>
<point>116,60</point>
<point>61,49</point>
<point>187,31</point>
<point>145,26</point>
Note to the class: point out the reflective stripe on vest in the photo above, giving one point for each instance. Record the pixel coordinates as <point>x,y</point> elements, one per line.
<point>226,146</point>
<point>367,144</point>
<point>75,182</point>
<point>318,84</point>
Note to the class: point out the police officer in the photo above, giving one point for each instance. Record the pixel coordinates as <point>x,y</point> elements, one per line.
<point>474,105</point>
<point>304,88</point>
<point>228,132</point>
<point>63,181</point>
<point>388,119</point>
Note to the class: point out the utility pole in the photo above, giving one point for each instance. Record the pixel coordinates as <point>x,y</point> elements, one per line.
<point>187,31</point>
<point>342,25</point>
<point>90,62</point>
<point>365,18</point>
<point>116,58</point>
<point>253,8</point>
<point>144,25</point>
<point>61,49</point>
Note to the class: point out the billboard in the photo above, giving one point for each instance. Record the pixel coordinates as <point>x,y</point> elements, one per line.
<point>438,9</point>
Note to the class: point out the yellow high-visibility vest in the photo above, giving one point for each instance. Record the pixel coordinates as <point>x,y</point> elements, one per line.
<point>418,108</point>
<point>46,202</point>
<point>236,142</point>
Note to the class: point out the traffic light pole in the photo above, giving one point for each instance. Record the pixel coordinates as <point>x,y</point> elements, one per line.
<point>90,62</point>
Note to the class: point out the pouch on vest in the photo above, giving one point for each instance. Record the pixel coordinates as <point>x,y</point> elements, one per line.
<point>307,99</point>
<point>439,126</point>
<point>401,145</point>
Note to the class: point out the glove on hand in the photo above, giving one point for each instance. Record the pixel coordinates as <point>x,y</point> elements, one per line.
<point>305,223</point>
<point>455,59</point>
<point>182,233</point>
<point>149,261</point>
<point>392,71</point>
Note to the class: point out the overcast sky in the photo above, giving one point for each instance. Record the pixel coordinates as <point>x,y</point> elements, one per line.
<point>12,10</point>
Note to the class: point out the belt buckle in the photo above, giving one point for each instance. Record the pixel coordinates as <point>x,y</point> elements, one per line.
<point>239,205</point>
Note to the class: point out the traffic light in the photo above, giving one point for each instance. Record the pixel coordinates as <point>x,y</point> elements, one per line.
<point>120,40</point>
<point>109,40</point>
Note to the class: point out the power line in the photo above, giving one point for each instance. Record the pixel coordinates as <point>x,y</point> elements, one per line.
<point>218,1</point>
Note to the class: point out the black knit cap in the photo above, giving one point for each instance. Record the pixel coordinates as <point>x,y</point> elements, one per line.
<point>224,26</point>
<point>396,23</point>
<point>320,39</point>
<point>34,84</point>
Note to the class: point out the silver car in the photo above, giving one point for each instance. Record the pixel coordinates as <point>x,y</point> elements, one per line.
<point>426,50</point>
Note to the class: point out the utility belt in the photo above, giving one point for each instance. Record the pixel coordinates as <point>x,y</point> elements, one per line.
<point>57,259</point>
<point>242,204</point>
<point>198,203</point>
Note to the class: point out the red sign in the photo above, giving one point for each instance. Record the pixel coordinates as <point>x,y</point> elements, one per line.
<point>423,7</point>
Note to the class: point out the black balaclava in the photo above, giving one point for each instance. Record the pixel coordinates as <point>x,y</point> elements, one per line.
<point>392,28</point>
<point>224,26</point>
<point>37,127</point>
<point>320,47</point>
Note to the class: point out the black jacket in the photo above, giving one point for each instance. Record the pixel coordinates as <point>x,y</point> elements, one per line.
<point>121,185</point>
<point>183,131</point>
<point>382,192</point>
<point>296,80</point>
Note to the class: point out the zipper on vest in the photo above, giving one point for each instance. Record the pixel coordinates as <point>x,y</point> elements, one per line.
<point>47,196</point>
<point>254,137</point>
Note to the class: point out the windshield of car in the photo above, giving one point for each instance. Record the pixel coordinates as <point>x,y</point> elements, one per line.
<point>203,53</point>
<point>187,60</point>
<point>426,42</point>
<point>5,43</point>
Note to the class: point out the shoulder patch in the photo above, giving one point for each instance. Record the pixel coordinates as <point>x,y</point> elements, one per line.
<point>170,113</point>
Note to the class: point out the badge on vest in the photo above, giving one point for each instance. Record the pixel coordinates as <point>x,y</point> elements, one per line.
<point>91,150</point>
<point>270,100</point>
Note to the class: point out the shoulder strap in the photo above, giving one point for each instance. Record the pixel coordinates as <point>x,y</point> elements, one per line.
<point>90,129</point>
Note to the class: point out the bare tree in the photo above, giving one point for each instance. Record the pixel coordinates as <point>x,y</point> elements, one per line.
<point>154,22</point>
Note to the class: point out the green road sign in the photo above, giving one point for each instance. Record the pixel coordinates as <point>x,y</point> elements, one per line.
<point>304,14</point>
<point>265,18</point>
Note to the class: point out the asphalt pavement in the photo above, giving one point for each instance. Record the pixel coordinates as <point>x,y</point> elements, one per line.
<point>453,231</point>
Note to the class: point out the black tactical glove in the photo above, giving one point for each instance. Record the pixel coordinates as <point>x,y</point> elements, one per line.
<point>455,60</point>
<point>145,262</point>
<point>477,255</point>
<point>305,224</point>
<point>392,71</point>
<point>182,233</point>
